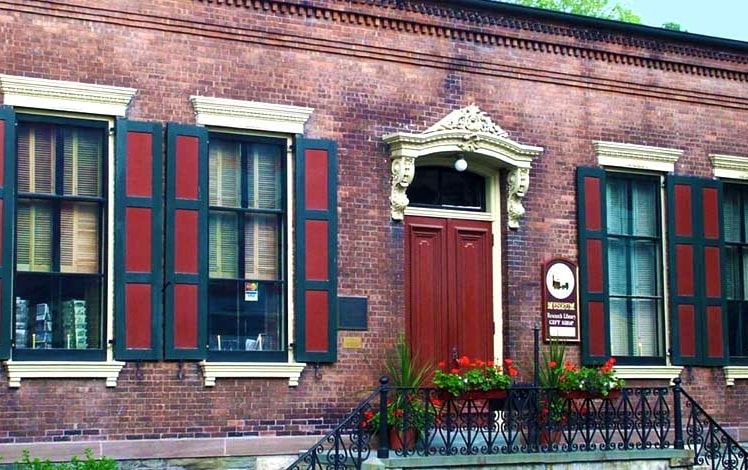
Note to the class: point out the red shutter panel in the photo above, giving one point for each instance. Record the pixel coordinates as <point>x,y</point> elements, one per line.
<point>186,256</point>
<point>7,216</point>
<point>698,314</point>
<point>137,241</point>
<point>316,230</point>
<point>593,288</point>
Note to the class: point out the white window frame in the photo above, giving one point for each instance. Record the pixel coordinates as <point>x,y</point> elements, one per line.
<point>657,160</point>
<point>83,101</point>
<point>228,115</point>
<point>731,167</point>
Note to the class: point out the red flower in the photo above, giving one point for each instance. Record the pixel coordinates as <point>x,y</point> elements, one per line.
<point>442,365</point>
<point>552,364</point>
<point>464,361</point>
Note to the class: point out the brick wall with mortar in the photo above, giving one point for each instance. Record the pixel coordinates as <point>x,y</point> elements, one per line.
<point>369,68</point>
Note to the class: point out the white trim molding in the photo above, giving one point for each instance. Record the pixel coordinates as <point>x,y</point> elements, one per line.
<point>729,166</point>
<point>63,370</point>
<point>638,157</point>
<point>468,132</point>
<point>213,370</point>
<point>60,95</point>
<point>733,373</point>
<point>648,372</point>
<point>250,115</point>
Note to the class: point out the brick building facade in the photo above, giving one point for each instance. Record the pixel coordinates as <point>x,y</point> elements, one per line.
<point>345,100</point>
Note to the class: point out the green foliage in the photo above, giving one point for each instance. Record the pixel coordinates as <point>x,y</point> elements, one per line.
<point>599,380</point>
<point>474,375</point>
<point>404,368</point>
<point>597,8</point>
<point>405,411</point>
<point>673,26</point>
<point>552,364</point>
<point>89,463</point>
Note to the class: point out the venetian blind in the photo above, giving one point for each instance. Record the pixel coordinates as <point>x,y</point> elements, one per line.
<point>264,188</point>
<point>79,222</point>
<point>34,217</point>
<point>224,191</point>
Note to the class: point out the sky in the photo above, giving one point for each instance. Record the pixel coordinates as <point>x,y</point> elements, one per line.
<point>719,18</point>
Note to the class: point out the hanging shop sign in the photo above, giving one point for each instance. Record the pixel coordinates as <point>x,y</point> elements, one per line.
<point>560,303</point>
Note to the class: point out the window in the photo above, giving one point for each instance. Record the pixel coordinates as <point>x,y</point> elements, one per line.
<point>60,228</point>
<point>634,266</point>
<point>247,210</point>
<point>446,188</point>
<point>736,268</point>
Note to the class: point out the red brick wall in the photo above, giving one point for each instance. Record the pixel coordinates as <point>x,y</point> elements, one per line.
<point>366,75</point>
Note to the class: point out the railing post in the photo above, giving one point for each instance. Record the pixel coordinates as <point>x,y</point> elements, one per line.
<point>536,353</point>
<point>678,444</point>
<point>383,452</point>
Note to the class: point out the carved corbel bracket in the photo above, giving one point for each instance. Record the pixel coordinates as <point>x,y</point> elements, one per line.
<point>403,170</point>
<point>518,183</point>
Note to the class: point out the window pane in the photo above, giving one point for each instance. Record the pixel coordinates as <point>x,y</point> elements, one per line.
<point>644,262</point>
<point>224,174</point>
<point>35,159</point>
<point>223,245</point>
<point>34,235</point>
<point>618,280</point>
<point>617,207</point>
<point>644,208</point>
<point>646,328</point>
<point>245,316</point>
<point>83,158</point>
<point>58,312</point>
<point>264,173</point>
<point>79,238</point>
<point>261,247</point>
<point>732,272</point>
<point>731,215</point>
<point>619,327</point>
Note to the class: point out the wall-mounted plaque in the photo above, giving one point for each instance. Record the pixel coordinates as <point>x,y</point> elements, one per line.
<point>560,303</point>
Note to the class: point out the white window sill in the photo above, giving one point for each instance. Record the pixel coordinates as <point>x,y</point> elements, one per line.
<point>213,370</point>
<point>735,372</point>
<point>648,372</point>
<point>18,370</point>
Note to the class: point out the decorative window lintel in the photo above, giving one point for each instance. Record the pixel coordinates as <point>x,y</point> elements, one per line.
<point>60,95</point>
<point>638,157</point>
<point>469,132</point>
<point>250,115</point>
<point>729,166</point>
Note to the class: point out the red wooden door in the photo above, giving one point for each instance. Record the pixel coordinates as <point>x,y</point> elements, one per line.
<point>449,288</point>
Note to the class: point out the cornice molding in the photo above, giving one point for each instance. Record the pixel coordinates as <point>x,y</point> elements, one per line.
<point>251,115</point>
<point>60,95</point>
<point>640,157</point>
<point>729,166</point>
<point>651,50</point>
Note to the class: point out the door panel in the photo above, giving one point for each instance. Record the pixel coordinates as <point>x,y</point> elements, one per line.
<point>449,288</point>
<point>425,257</point>
<point>469,283</point>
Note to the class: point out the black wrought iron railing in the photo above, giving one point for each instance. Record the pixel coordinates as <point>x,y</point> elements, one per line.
<point>524,419</point>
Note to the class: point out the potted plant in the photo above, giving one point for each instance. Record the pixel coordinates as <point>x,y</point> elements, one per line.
<point>470,377</point>
<point>410,411</point>
<point>590,382</point>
